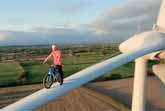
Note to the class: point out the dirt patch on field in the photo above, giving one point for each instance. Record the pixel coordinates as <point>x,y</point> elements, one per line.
<point>122,90</point>
<point>81,99</point>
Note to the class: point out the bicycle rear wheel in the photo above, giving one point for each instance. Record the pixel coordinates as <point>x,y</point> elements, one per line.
<point>48,81</point>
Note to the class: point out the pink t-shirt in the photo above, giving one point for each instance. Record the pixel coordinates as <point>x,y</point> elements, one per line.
<point>57,57</point>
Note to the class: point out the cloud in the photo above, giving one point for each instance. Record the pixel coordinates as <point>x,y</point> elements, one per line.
<point>74,7</point>
<point>123,21</point>
<point>115,25</point>
<point>49,36</point>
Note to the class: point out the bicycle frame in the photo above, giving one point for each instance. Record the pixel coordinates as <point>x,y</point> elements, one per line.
<point>53,71</point>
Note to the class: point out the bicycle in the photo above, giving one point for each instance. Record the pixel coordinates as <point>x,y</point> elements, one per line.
<point>53,75</point>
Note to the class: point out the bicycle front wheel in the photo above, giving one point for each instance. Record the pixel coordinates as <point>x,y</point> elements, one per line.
<point>48,81</point>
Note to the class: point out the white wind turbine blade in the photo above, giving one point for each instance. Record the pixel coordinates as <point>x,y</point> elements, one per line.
<point>161,17</point>
<point>148,45</point>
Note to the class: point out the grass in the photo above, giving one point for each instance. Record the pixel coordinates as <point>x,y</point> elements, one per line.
<point>125,70</point>
<point>35,70</point>
<point>9,73</point>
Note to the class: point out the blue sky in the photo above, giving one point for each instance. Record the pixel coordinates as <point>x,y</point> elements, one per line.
<point>28,14</point>
<point>26,22</point>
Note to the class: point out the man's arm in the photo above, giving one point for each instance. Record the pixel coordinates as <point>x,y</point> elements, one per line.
<point>50,55</point>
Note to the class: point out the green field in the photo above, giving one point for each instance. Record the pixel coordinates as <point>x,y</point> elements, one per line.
<point>9,73</point>
<point>33,70</point>
<point>36,70</point>
<point>124,71</point>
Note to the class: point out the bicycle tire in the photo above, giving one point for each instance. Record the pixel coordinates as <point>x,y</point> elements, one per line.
<point>48,84</point>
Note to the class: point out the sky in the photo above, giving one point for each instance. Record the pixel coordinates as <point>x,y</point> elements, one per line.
<point>28,22</point>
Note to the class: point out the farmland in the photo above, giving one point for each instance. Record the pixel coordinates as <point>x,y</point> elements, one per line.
<point>23,65</point>
<point>9,73</point>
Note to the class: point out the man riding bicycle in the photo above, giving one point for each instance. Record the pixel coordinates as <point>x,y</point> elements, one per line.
<point>56,54</point>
